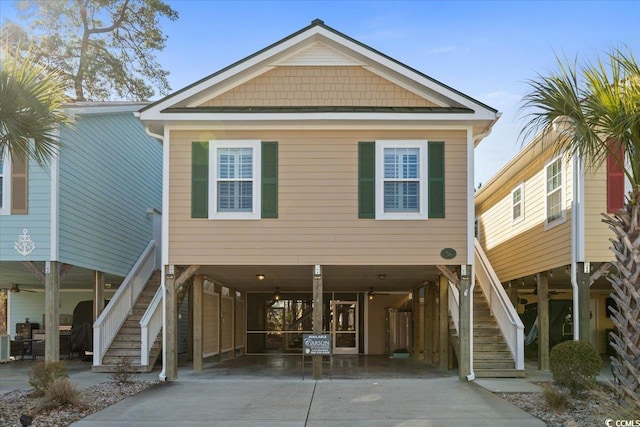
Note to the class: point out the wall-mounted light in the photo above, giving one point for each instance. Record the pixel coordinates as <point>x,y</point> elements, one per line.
<point>276,294</point>
<point>371,294</point>
<point>382,276</point>
<point>317,272</point>
<point>567,270</point>
<point>260,276</point>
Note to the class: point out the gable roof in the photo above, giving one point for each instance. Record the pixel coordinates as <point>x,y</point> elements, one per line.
<point>335,48</point>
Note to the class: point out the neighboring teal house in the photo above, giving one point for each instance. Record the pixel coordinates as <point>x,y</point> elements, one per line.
<point>72,231</point>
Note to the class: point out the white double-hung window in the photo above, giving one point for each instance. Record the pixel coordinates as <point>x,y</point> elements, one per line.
<point>235,175</point>
<point>517,204</point>
<point>401,179</point>
<point>554,191</point>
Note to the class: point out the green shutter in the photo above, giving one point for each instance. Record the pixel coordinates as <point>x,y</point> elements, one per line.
<point>366,180</point>
<point>269,180</point>
<point>436,180</point>
<point>200,180</point>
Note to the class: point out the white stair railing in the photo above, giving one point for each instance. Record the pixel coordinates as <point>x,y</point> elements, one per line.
<point>454,306</point>
<point>121,304</point>
<point>501,307</point>
<point>150,326</point>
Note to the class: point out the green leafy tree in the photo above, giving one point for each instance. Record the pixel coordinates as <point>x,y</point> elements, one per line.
<point>593,110</point>
<point>104,48</point>
<point>31,99</point>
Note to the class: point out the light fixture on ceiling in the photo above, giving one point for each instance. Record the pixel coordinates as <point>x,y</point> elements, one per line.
<point>260,277</point>
<point>382,276</point>
<point>276,294</point>
<point>371,294</point>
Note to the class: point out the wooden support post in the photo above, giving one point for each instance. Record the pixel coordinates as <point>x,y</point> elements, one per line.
<point>543,321</point>
<point>415,345</point>
<point>464,323</point>
<point>427,322</point>
<point>232,293</point>
<point>584,311</point>
<point>190,326</point>
<point>196,309</point>
<point>171,325</point>
<point>317,317</point>
<point>98,294</point>
<point>443,323</point>
<point>51,312</point>
<point>218,289</point>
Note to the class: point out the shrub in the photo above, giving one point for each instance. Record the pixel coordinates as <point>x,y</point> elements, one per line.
<point>60,392</point>
<point>557,400</point>
<point>123,373</point>
<point>575,365</point>
<point>44,373</point>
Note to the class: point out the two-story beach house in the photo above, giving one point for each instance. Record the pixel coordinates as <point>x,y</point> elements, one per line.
<point>540,224</point>
<point>320,186</point>
<point>73,230</point>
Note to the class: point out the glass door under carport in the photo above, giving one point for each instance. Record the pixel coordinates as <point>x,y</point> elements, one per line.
<point>344,327</point>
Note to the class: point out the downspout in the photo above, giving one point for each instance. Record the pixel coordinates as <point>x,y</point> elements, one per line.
<point>165,223</point>
<point>577,244</point>
<point>470,235</point>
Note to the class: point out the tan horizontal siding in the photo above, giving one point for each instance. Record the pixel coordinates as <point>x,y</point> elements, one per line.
<point>318,207</point>
<point>318,86</point>
<point>597,233</point>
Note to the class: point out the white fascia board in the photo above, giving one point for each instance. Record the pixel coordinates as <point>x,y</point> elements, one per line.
<point>363,116</point>
<point>206,94</point>
<point>439,88</point>
<point>284,125</point>
<point>103,108</point>
<point>244,65</point>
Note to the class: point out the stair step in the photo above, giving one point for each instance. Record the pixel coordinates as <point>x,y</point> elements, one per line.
<point>493,364</point>
<point>499,373</point>
<point>494,355</point>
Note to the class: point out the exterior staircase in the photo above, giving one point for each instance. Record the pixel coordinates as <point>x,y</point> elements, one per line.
<point>491,355</point>
<point>128,340</point>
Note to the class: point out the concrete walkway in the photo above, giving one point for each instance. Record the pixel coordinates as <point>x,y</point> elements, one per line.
<point>268,402</point>
<point>269,391</point>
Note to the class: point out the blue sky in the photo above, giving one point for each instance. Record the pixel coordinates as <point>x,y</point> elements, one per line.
<point>485,49</point>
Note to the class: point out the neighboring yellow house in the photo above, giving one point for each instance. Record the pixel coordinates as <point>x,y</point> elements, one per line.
<point>539,222</point>
<point>317,169</point>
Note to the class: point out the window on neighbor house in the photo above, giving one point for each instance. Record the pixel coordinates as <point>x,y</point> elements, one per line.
<point>517,204</point>
<point>400,179</point>
<point>5,194</point>
<point>554,191</point>
<point>235,179</point>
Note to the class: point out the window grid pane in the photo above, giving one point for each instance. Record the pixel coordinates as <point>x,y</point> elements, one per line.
<point>517,203</point>
<point>235,196</point>
<point>401,179</point>
<point>554,191</point>
<point>235,179</point>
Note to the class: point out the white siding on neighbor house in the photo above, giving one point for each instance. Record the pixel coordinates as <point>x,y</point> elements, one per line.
<point>37,221</point>
<point>528,246</point>
<point>110,175</point>
<point>30,305</point>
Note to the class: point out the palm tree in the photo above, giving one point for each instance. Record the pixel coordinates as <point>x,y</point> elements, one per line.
<point>595,110</point>
<point>31,97</point>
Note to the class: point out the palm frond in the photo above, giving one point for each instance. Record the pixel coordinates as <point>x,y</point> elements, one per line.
<point>31,100</point>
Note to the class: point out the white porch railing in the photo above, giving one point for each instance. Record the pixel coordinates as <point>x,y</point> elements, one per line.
<point>454,305</point>
<point>501,307</point>
<point>115,313</point>
<point>150,326</point>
